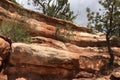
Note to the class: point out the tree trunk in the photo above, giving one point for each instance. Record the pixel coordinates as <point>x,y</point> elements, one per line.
<point>119,32</point>
<point>111,60</point>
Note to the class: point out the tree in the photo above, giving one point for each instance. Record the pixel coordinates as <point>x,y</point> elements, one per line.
<point>56,8</point>
<point>106,20</point>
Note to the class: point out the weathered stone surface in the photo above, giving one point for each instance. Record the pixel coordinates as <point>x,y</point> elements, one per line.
<point>48,42</point>
<point>38,28</point>
<point>51,58</point>
<point>102,79</point>
<point>37,60</point>
<point>41,25</point>
<point>95,78</point>
<point>85,50</point>
<point>3,77</point>
<point>20,79</point>
<point>83,74</point>
<point>93,64</point>
<point>4,48</point>
<point>115,74</point>
<point>31,58</point>
<point>84,79</point>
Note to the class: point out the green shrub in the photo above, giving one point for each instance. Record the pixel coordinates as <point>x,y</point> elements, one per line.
<point>116,39</point>
<point>64,33</point>
<point>15,30</point>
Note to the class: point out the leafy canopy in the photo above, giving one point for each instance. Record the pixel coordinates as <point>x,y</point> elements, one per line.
<point>108,17</point>
<point>56,8</point>
<point>106,20</point>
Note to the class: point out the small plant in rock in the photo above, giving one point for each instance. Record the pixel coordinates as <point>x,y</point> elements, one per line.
<point>64,33</point>
<point>115,40</point>
<point>15,30</point>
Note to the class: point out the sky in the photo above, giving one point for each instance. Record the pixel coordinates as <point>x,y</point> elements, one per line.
<point>78,6</point>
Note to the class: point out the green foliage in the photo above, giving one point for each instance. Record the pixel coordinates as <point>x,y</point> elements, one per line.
<point>15,30</point>
<point>64,33</point>
<point>108,21</point>
<point>116,40</point>
<point>56,8</point>
<point>94,20</point>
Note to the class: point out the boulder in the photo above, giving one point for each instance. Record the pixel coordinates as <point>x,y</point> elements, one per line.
<point>36,60</point>
<point>115,74</point>
<point>3,77</point>
<point>5,50</point>
<point>91,66</point>
<point>94,63</point>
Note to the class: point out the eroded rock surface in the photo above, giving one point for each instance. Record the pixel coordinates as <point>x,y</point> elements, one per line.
<point>5,51</point>
<point>115,74</point>
<point>49,56</point>
<point>92,63</point>
<point>39,60</point>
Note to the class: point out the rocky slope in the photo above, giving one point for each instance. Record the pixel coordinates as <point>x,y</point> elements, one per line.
<point>50,56</point>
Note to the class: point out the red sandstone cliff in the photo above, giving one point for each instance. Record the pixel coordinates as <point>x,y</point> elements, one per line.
<point>83,57</point>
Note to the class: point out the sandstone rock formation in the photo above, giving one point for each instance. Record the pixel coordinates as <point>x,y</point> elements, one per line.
<point>5,51</point>
<point>53,57</point>
<point>42,25</point>
<point>3,77</point>
<point>37,60</point>
<point>31,58</point>
<point>115,74</point>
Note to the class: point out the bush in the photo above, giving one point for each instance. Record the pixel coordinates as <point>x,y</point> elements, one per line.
<point>15,30</point>
<point>64,33</point>
<point>116,41</point>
